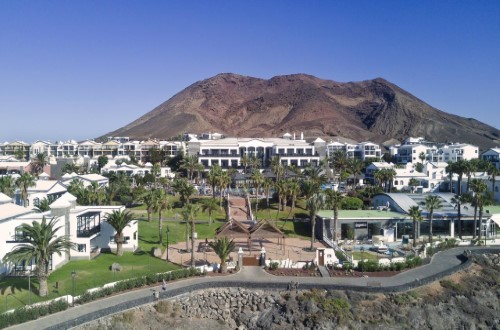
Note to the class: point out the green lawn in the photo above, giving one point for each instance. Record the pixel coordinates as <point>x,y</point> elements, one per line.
<point>357,255</point>
<point>89,274</point>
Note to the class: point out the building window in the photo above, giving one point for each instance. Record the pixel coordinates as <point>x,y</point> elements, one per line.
<point>82,247</point>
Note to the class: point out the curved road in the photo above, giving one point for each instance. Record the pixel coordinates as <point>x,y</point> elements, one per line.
<point>442,264</point>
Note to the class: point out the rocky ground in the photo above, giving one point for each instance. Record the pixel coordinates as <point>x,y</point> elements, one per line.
<point>469,299</point>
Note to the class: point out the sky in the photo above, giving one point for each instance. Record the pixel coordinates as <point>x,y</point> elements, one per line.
<point>79,69</point>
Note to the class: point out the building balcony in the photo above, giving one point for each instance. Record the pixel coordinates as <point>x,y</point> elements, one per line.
<point>88,232</point>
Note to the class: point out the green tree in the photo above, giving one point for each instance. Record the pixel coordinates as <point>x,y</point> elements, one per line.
<point>101,162</point>
<point>315,203</point>
<point>161,203</point>
<point>119,220</point>
<point>431,203</point>
<point>267,185</point>
<point>223,248</point>
<point>189,213</point>
<point>477,187</point>
<point>356,167</point>
<point>213,177</point>
<point>189,164</point>
<point>39,162</point>
<point>40,243</point>
<point>7,185</point>
<point>24,182</point>
<point>43,205</point>
<point>209,205</point>
<point>149,200</point>
<point>334,201</point>
<point>458,201</point>
<point>257,179</point>
<point>413,183</point>
<point>493,172</point>
<point>416,215</point>
<point>184,189</point>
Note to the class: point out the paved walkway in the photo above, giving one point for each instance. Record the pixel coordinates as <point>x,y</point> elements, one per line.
<point>248,276</point>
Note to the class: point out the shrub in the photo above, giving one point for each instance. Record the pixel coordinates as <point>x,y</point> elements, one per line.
<point>352,203</point>
<point>274,265</point>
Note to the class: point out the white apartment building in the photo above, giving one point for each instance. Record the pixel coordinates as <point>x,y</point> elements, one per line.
<point>493,156</point>
<point>227,152</point>
<point>363,150</point>
<point>85,226</point>
<point>131,169</point>
<point>412,149</point>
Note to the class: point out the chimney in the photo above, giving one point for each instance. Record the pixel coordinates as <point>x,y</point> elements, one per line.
<point>302,135</point>
<point>294,135</point>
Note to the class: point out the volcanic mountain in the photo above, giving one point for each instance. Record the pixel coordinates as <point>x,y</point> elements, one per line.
<point>374,110</point>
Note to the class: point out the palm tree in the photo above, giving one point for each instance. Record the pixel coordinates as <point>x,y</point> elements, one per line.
<point>190,165</point>
<point>315,203</point>
<point>257,179</point>
<point>485,199</point>
<point>356,167</point>
<point>161,203</point>
<point>39,162</point>
<point>493,172</point>
<point>40,243</point>
<point>422,157</point>
<point>458,201</point>
<point>148,198</point>
<point>413,183</point>
<point>184,188</point>
<point>43,205</point>
<point>416,215</point>
<point>24,182</point>
<point>213,177</point>
<point>224,182</point>
<point>478,187</point>
<point>334,201</point>
<point>314,173</point>
<point>209,205</point>
<point>432,203</point>
<point>189,213</point>
<point>119,220</point>
<point>245,161</point>
<point>70,168</point>
<point>339,163</point>
<point>293,190</point>
<point>222,247</point>
<point>7,185</point>
<point>267,185</point>
<point>277,167</point>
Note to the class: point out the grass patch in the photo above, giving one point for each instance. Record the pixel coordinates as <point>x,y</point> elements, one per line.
<point>89,274</point>
<point>366,255</point>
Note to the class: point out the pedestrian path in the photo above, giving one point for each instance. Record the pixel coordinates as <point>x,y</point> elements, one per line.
<point>248,277</point>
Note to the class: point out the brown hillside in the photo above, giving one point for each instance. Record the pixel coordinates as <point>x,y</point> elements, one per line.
<point>236,105</point>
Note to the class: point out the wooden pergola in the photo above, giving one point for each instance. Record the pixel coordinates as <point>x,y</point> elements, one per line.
<point>261,230</point>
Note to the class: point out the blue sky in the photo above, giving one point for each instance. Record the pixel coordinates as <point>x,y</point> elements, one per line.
<point>80,69</point>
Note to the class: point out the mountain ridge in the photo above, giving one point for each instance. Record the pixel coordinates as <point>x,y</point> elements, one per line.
<point>237,105</point>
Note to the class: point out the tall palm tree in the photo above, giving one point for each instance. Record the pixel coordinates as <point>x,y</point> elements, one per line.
<point>485,199</point>
<point>209,205</point>
<point>148,198</point>
<point>293,191</point>
<point>493,172</point>
<point>184,188</point>
<point>24,182</point>
<point>315,203</point>
<point>334,201</point>
<point>119,220</point>
<point>41,242</point>
<point>413,183</point>
<point>222,248</point>
<point>224,182</point>
<point>416,215</point>
<point>213,177</point>
<point>257,179</point>
<point>431,203</point>
<point>245,161</point>
<point>267,184</point>
<point>339,163</point>
<point>39,162</point>
<point>7,185</point>
<point>277,168</point>
<point>478,187</point>
<point>190,165</point>
<point>458,201</point>
<point>315,174</point>
<point>189,213</point>
<point>161,203</point>
<point>356,167</point>
<point>280,187</point>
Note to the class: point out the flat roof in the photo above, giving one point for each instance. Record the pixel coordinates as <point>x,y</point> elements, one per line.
<point>363,214</point>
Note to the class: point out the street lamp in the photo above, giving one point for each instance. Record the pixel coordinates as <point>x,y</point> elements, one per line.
<point>167,240</point>
<point>362,258</point>
<point>73,275</point>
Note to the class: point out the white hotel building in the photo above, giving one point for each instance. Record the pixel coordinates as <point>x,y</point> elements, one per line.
<point>227,152</point>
